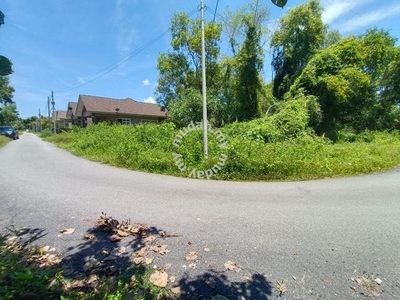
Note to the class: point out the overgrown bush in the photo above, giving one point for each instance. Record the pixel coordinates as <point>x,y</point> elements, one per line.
<point>270,148</point>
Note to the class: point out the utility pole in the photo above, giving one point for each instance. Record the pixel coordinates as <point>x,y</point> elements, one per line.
<point>48,112</point>
<point>39,123</point>
<point>204,85</point>
<point>54,112</point>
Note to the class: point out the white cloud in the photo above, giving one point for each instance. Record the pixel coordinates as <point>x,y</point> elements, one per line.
<point>150,100</point>
<point>370,18</point>
<point>146,82</point>
<point>335,10</point>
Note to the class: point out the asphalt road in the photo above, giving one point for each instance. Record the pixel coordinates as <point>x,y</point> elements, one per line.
<point>316,235</point>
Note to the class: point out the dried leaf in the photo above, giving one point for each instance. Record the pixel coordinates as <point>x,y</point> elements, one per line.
<point>89,236</point>
<point>44,249</point>
<point>115,238</point>
<point>192,255</point>
<point>159,278</point>
<point>122,233</point>
<point>281,287</point>
<point>67,231</point>
<point>161,249</point>
<point>148,260</point>
<point>232,266</point>
<point>172,279</point>
<point>176,290</point>
<point>139,260</point>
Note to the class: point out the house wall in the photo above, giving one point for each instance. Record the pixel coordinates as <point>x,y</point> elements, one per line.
<point>112,118</point>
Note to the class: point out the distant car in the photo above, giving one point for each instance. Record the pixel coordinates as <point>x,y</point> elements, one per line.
<point>9,131</point>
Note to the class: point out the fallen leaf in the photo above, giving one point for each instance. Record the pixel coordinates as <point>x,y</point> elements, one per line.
<point>89,236</point>
<point>67,231</point>
<point>192,255</point>
<point>176,290</point>
<point>172,279</point>
<point>139,260</point>
<point>122,233</point>
<point>115,238</point>
<point>11,239</point>
<point>44,249</point>
<point>161,249</point>
<point>78,284</point>
<point>232,266</point>
<point>281,287</point>
<point>246,278</point>
<point>159,278</point>
<point>148,260</point>
<point>206,249</point>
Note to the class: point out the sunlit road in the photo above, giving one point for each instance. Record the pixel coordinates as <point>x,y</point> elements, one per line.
<point>312,234</point>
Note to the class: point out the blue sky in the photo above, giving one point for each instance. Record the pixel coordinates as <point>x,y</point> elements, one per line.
<point>66,46</point>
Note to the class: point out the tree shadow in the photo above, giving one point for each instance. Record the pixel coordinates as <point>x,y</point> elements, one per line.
<point>101,255</point>
<point>208,285</point>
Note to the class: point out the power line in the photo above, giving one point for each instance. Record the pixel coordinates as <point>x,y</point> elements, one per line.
<point>216,8</point>
<point>114,66</point>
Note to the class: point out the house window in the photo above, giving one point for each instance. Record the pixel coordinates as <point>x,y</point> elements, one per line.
<point>124,121</point>
<point>149,121</point>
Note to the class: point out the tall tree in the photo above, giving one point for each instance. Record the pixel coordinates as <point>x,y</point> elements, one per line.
<point>301,33</point>
<point>180,80</point>
<point>249,66</point>
<point>6,90</point>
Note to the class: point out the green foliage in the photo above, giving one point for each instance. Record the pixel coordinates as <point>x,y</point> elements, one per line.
<point>8,113</point>
<point>301,33</point>
<point>276,147</point>
<point>5,66</point>
<point>6,90</point>
<point>349,80</point>
<point>46,133</point>
<point>4,140</point>
<point>250,63</point>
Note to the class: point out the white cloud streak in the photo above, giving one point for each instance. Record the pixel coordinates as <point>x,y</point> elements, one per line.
<point>146,82</point>
<point>370,18</point>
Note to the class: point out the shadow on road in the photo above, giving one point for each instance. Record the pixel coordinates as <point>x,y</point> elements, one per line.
<point>107,257</point>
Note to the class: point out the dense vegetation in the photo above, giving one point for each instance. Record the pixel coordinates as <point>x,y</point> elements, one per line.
<point>8,108</point>
<point>333,107</point>
<point>354,80</point>
<point>280,147</point>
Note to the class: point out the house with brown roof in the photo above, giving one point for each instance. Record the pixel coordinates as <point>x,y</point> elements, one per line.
<point>94,109</point>
<point>60,119</point>
<point>71,113</point>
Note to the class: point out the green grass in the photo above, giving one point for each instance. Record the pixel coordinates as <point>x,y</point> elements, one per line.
<point>4,140</point>
<point>253,152</point>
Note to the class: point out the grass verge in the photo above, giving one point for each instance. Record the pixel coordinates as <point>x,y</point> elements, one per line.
<point>251,153</point>
<point>4,140</point>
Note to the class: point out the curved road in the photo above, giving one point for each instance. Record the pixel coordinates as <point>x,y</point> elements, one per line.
<point>312,234</point>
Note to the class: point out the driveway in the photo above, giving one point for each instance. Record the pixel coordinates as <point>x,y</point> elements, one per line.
<point>319,236</point>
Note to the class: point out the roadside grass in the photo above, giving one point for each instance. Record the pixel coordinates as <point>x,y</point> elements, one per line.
<point>4,140</point>
<point>253,152</point>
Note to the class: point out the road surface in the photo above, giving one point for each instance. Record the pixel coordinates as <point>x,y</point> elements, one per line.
<point>318,236</point>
